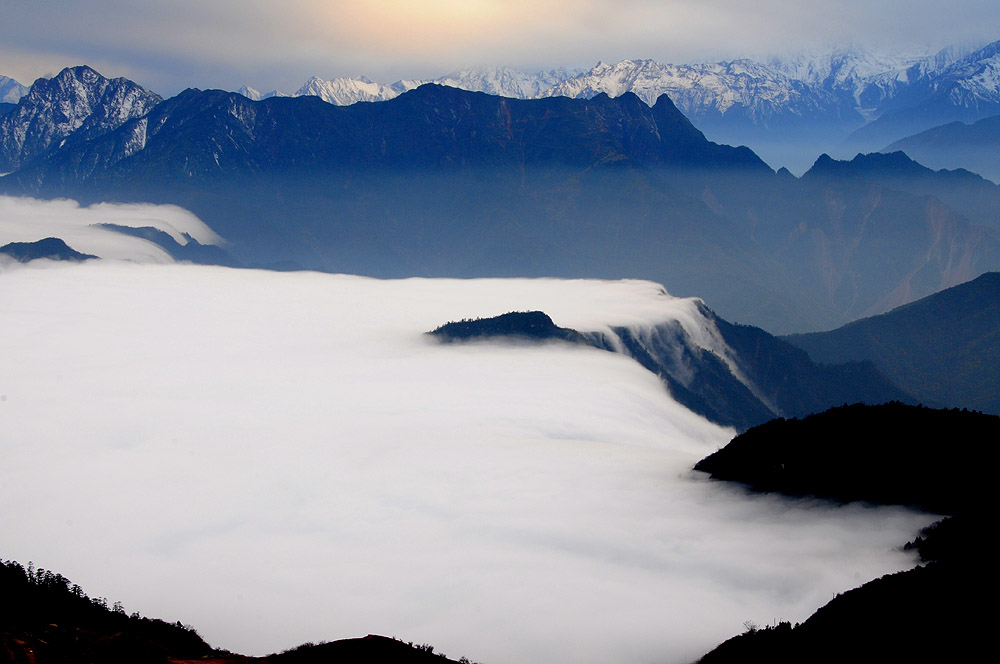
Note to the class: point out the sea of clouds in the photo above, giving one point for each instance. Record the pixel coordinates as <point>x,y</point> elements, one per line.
<point>285,457</point>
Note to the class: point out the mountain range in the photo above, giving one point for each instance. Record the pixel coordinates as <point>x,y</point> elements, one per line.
<point>957,144</point>
<point>445,182</point>
<point>870,99</point>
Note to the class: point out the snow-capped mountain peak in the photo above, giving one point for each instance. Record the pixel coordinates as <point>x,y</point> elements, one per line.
<point>346,90</point>
<point>11,91</point>
<point>78,100</point>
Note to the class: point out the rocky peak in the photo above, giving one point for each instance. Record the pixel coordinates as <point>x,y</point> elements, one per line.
<point>76,102</point>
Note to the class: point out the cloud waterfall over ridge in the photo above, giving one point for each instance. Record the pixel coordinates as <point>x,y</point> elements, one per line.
<point>88,229</point>
<point>282,457</point>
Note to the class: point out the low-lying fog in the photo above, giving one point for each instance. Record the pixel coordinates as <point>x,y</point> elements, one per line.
<point>276,458</point>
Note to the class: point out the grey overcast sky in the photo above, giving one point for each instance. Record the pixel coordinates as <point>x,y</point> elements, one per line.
<point>173,44</point>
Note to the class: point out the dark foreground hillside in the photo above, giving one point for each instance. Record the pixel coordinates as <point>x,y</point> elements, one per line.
<point>892,454</point>
<point>46,619</point>
<point>939,460</point>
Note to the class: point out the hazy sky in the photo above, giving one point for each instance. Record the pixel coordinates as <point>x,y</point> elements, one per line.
<point>173,44</point>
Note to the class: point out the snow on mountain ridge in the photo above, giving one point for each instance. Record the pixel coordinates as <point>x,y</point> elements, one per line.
<point>256,95</point>
<point>699,89</point>
<point>849,84</point>
<point>10,90</point>
<point>78,100</point>
<point>346,90</point>
<point>502,81</point>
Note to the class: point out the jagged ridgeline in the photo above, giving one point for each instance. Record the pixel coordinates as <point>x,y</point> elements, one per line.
<point>444,182</point>
<point>740,376</point>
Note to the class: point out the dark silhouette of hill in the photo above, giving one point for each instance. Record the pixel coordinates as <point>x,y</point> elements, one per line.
<point>890,454</point>
<point>964,192</point>
<point>942,349</point>
<point>52,248</point>
<point>929,614</point>
<point>885,454</point>
<point>46,619</point>
<point>957,145</point>
<point>371,648</point>
<point>532,325</point>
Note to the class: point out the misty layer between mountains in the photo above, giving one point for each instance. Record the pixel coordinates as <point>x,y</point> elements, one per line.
<point>278,458</point>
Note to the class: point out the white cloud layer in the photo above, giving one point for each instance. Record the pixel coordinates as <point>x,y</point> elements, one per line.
<point>175,44</point>
<point>30,220</point>
<point>276,458</point>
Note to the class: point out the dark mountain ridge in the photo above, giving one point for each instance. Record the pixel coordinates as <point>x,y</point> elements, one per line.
<point>957,145</point>
<point>965,192</point>
<point>444,182</point>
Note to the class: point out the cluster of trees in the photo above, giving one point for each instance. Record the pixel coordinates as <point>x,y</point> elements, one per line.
<point>44,617</point>
<point>526,324</point>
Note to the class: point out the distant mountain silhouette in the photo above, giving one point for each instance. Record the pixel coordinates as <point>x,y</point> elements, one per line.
<point>942,349</point>
<point>957,145</point>
<point>964,192</point>
<point>52,248</point>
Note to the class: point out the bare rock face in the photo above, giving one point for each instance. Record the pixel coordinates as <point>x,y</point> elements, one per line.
<point>76,104</point>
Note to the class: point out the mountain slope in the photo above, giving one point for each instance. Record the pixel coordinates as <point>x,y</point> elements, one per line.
<point>964,192</point>
<point>733,375</point>
<point>957,145</point>
<point>890,454</point>
<point>966,90</point>
<point>734,96</point>
<point>942,349</point>
<point>76,104</point>
<point>10,90</point>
